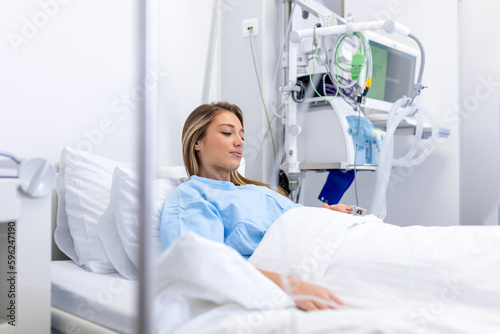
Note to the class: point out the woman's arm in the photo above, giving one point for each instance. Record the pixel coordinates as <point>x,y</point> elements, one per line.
<point>303,288</point>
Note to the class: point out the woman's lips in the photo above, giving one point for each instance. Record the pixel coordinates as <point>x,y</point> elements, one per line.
<point>238,154</point>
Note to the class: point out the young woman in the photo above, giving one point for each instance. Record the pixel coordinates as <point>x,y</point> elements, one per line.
<point>220,204</point>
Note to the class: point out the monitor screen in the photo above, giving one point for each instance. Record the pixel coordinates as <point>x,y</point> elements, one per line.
<point>394,73</point>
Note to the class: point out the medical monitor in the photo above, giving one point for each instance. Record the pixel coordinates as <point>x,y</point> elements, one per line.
<point>395,67</point>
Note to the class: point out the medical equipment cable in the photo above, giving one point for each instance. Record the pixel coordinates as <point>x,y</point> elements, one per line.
<point>275,76</point>
<point>285,40</point>
<point>329,71</point>
<point>338,63</point>
<point>302,91</point>
<point>310,75</point>
<point>274,83</point>
<point>279,150</point>
<point>407,160</point>
<point>347,99</point>
<point>341,39</point>
<point>11,157</point>
<point>366,65</point>
<point>356,158</point>
<point>418,86</point>
<point>368,68</point>
<point>343,95</point>
<point>260,88</point>
<point>262,144</point>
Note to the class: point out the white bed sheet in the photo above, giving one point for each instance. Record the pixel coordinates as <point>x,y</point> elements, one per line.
<point>392,279</point>
<point>105,299</point>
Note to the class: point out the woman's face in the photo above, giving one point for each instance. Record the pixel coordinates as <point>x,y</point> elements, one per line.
<point>219,151</point>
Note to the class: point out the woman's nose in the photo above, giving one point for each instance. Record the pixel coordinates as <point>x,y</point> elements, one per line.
<point>239,141</point>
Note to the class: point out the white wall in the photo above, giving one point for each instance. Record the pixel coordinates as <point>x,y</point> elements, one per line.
<point>479,116</point>
<point>72,78</point>
<point>69,77</point>
<point>183,40</point>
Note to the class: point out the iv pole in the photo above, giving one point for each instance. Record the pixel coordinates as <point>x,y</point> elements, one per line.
<point>148,134</point>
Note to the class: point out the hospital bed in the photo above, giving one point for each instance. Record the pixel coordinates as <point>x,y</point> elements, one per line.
<point>94,289</point>
<point>392,279</point>
<point>84,301</point>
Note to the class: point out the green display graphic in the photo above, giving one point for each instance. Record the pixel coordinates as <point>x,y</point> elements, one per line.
<point>393,73</point>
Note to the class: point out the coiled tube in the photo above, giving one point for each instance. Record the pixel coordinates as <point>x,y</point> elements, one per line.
<point>386,157</point>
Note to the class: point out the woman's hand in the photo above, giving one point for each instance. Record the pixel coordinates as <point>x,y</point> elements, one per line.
<point>307,289</point>
<point>338,207</point>
<point>303,288</point>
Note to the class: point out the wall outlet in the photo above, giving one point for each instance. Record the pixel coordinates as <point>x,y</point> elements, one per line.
<point>250,24</point>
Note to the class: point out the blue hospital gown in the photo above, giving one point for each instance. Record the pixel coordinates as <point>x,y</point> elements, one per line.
<point>238,216</point>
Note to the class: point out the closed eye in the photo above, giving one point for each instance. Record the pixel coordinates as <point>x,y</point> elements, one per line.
<point>227,134</point>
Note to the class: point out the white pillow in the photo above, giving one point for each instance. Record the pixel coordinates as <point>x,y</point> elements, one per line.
<point>124,223</point>
<point>83,187</point>
<point>178,172</point>
<point>62,235</point>
<point>172,172</point>
<point>108,233</point>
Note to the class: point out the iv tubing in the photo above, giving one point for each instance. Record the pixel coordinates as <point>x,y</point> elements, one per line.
<point>386,157</point>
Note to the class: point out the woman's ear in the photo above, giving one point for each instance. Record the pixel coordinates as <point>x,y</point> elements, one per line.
<point>197,147</point>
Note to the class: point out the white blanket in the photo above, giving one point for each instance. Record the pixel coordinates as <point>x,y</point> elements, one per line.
<point>392,279</point>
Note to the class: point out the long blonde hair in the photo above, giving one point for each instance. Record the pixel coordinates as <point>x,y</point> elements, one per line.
<point>194,129</point>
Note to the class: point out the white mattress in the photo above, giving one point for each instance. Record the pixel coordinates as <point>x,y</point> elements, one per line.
<point>106,299</point>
